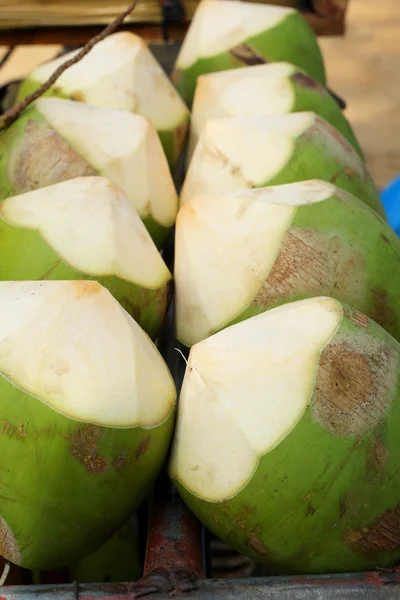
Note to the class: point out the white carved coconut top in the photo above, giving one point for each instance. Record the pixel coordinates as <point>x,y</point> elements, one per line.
<point>71,345</point>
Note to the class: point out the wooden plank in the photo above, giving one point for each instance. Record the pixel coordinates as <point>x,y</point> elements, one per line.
<point>76,36</point>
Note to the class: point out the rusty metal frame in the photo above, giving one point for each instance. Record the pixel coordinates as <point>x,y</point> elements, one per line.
<point>174,567</point>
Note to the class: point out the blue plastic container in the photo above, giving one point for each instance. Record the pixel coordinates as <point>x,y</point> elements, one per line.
<point>391,202</point>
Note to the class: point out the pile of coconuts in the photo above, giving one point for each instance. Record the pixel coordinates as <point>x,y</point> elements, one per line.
<point>285,441</point>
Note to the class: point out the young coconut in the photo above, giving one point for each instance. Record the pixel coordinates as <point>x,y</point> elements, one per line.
<point>116,560</point>
<point>239,254</point>
<point>87,406</point>
<point>251,152</point>
<point>287,443</point>
<point>120,72</point>
<point>231,34</point>
<point>56,140</point>
<point>85,228</point>
<point>271,89</point>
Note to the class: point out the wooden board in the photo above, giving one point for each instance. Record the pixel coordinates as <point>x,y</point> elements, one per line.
<point>74,22</point>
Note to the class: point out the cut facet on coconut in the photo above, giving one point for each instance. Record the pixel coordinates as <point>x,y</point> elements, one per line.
<point>59,139</point>
<point>251,152</point>
<point>86,228</point>
<point>89,403</point>
<point>270,89</point>
<point>120,72</point>
<point>231,34</point>
<point>289,422</point>
<point>239,254</point>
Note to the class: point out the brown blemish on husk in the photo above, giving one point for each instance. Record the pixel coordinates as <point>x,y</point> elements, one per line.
<point>384,238</point>
<point>298,267</point>
<point>381,312</point>
<point>144,444</point>
<point>42,157</point>
<point>382,536</point>
<point>379,458</point>
<point>84,448</point>
<point>357,318</point>
<point>305,81</point>
<point>256,544</point>
<point>310,264</point>
<point>8,544</point>
<point>179,136</point>
<point>348,401</point>
<point>342,507</point>
<point>247,55</point>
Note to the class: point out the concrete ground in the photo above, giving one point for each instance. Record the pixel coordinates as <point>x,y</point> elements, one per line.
<point>363,68</point>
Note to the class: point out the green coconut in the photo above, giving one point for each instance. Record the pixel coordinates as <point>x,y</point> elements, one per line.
<point>57,140</point>
<point>115,561</point>
<point>239,254</point>
<point>251,152</point>
<point>287,443</point>
<point>120,72</point>
<point>270,89</point>
<point>87,411</point>
<point>231,34</point>
<point>85,228</point>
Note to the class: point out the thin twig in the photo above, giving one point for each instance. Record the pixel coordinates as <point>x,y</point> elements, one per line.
<point>11,115</point>
<point>6,56</point>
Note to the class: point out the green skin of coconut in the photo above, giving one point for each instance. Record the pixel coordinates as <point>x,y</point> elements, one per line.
<point>33,259</point>
<point>102,476</point>
<point>309,95</point>
<point>172,141</point>
<point>361,272</point>
<point>33,155</point>
<point>313,159</point>
<point>323,500</point>
<point>117,560</point>
<point>271,45</point>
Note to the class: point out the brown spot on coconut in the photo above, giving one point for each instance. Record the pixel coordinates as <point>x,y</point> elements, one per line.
<point>344,400</point>
<point>142,448</point>
<point>42,157</point>
<point>379,457</point>
<point>8,544</point>
<point>357,318</point>
<point>246,55</point>
<point>84,448</point>
<point>256,544</point>
<point>305,81</point>
<point>382,311</point>
<point>308,262</point>
<point>382,536</point>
